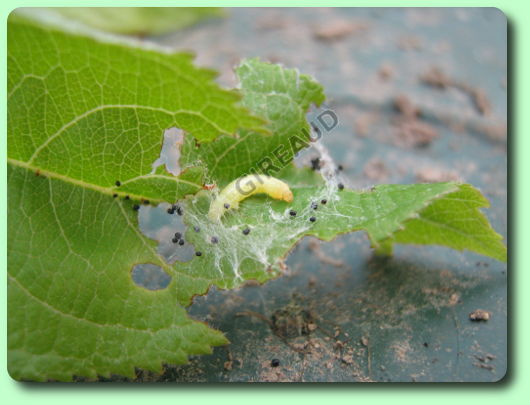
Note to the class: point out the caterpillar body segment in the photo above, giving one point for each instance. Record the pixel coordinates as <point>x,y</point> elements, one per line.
<point>247,186</point>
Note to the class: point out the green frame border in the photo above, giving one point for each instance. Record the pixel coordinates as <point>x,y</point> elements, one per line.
<point>511,388</point>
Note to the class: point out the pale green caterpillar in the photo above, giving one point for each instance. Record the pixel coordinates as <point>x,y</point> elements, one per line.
<point>244,187</point>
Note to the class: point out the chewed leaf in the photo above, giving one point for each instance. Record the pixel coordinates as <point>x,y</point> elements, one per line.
<point>85,124</point>
<point>388,213</point>
<point>73,306</point>
<point>281,96</point>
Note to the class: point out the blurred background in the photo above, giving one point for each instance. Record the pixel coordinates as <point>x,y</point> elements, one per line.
<point>421,96</point>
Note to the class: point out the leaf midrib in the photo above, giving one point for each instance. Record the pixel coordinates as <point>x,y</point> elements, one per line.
<point>91,186</point>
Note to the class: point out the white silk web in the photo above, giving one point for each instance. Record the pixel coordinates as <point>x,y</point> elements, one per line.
<point>233,254</point>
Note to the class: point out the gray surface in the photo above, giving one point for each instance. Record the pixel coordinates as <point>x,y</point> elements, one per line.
<point>401,319</point>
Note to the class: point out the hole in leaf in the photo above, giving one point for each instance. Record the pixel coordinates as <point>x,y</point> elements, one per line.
<point>150,276</point>
<point>170,153</point>
<point>157,224</point>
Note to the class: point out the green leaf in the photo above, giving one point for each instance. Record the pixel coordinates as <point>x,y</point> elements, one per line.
<point>139,20</point>
<point>282,96</point>
<point>82,115</point>
<point>72,306</point>
<point>442,213</point>
<point>71,96</point>
<point>455,221</point>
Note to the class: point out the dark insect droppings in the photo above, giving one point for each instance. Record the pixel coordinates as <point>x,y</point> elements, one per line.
<point>292,213</point>
<point>170,211</point>
<point>275,363</point>
<point>196,228</point>
<point>246,231</point>
<point>340,168</point>
<point>214,239</point>
<point>315,164</point>
<point>114,195</point>
<point>118,183</point>
<point>198,253</point>
<point>324,201</point>
<point>146,202</point>
<point>226,205</point>
<point>181,242</point>
<point>178,235</point>
<point>127,197</point>
<point>341,186</point>
<point>179,210</point>
<point>136,207</point>
<point>175,240</point>
<point>313,219</point>
<point>314,205</point>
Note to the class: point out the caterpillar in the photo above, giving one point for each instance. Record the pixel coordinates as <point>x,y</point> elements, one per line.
<point>244,187</point>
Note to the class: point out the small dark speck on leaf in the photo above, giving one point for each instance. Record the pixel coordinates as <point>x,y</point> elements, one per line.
<point>246,231</point>
<point>181,242</point>
<point>275,363</point>
<point>175,240</point>
<point>315,163</point>
<point>179,210</point>
<point>178,235</point>
<point>118,183</point>
<point>214,239</point>
<point>170,211</point>
<point>198,253</point>
<point>324,201</point>
<point>314,205</point>
<point>425,344</point>
<point>340,168</point>
<point>341,186</point>
<point>146,202</point>
<point>127,197</point>
<point>114,195</point>
<point>136,207</point>
<point>226,205</point>
<point>313,219</point>
<point>196,228</point>
<point>292,213</point>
